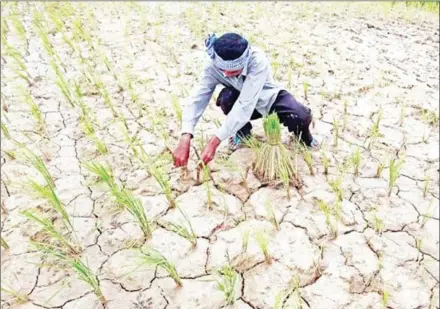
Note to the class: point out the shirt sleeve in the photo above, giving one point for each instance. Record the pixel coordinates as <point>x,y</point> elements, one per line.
<point>198,100</point>
<point>243,108</point>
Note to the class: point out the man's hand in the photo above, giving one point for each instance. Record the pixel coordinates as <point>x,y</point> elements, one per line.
<point>210,149</point>
<point>181,153</point>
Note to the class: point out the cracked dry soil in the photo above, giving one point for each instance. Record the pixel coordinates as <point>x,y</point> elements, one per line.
<point>360,57</point>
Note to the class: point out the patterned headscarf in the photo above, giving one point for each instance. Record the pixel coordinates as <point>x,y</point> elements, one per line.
<point>230,65</point>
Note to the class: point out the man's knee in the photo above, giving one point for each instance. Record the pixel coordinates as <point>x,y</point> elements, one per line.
<point>227,98</point>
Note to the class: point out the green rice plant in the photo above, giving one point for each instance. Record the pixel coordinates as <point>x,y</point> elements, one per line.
<point>4,244</point>
<point>328,214</point>
<point>176,107</point>
<point>157,173</point>
<point>14,17</point>
<point>378,224</point>
<point>17,297</point>
<point>5,130</point>
<point>21,69</point>
<point>245,241</point>
<point>271,215</point>
<point>48,193</point>
<point>344,123</point>
<point>272,157</point>
<point>394,173</point>
<point>426,186</point>
<point>306,86</point>
<point>86,275</point>
<point>430,117</point>
<point>356,160</point>
<point>63,85</point>
<point>402,114</point>
<point>183,230</point>
<point>326,162</point>
<point>49,228</point>
<point>104,173</point>
<point>308,158</point>
<point>152,257</point>
<point>336,132</point>
<point>32,159</point>
<point>34,108</point>
<point>336,185</point>
<point>289,78</point>
<point>429,214</point>
<point>384,301</point>
<point>375,130</point>
<point>262,241</point>
<point>227,283</point>
<point>126,199</point>
<point>206,178</point>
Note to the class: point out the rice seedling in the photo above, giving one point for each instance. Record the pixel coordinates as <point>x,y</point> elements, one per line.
<point>48,193</point>
<point>430,117</point>
<point>336,132</point>
<point>21,70</point>
<point>176,107</point>
<point>308,158</point>
<point>14,17</point>
<point>306,86</point>
<point>344,122</point>
<point>426,186</point>
<point>244,241</point>
<point>126,199</point>
<point>271,215</point>
<point>159,176</point>
<point>86,275</point>
<point>325,162</point>
<point>17,297</point>
<point>356,160</point>
<point>336,185</point>
<point>34,108</point>
<point>183,230</point>
<point>5,130</point>
<point>429,214</point>
<point>378,224</point>
<point>32,159</point>
<point>228,282</point>
<point>262,241</point>
<point>402,115</point>
<point>418,243</point>
<point>375,130</point>
<point>50,229</point>
<point>328,214</point>
<point>152,257</point>
<point>4,244</point>
<point>273,157</point>
<point>104,173</point>
<point>394,173</point>
<point>385,297</point>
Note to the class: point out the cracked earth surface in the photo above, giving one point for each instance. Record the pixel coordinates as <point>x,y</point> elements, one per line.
<point>363,54</point>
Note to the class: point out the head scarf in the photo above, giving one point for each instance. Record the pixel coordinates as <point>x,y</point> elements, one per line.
<point>228,65</point>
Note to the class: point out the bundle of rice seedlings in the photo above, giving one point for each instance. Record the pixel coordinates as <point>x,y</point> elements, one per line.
<point>272,157</point>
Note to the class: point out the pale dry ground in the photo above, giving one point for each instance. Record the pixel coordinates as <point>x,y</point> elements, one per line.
<point>363,54</point>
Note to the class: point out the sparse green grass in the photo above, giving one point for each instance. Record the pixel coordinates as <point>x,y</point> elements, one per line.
<point>151,257</point>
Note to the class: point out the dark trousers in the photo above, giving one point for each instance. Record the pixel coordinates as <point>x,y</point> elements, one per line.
<point>292,114</point>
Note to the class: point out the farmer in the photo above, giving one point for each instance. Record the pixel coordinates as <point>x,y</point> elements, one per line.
<point>249,93</point>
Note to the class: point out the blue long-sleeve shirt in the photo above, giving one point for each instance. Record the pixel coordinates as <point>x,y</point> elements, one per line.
<point>258,91</point>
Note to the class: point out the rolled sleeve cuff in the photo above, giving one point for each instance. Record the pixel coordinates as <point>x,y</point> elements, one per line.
<point>187,127</point>
<point>222,133</point>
